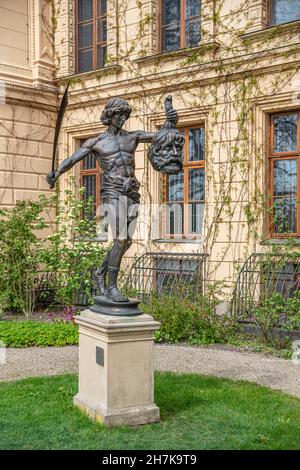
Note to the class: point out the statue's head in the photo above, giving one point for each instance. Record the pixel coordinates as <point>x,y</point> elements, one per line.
<point>165,151</point>
<point>116,112</point>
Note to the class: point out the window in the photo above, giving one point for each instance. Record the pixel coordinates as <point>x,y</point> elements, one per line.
<point>91,34</point>
<point>180,24</point>
<point>91,179</point>
<point>284,174</point>
<point>284,11</point>
<point>184,193</point>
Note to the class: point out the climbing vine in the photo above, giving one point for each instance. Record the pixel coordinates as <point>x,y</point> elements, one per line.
<point>227,76</point>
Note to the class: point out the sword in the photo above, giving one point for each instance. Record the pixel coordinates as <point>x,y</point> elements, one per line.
<point>61,112</point>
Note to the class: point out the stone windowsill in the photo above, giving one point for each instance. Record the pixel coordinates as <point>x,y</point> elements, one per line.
<point>281,241</point>
<point>187,52</point>
<point>99,238</point>
<point>270,31</point>
<point>178,240</point>
<point>93,73</point>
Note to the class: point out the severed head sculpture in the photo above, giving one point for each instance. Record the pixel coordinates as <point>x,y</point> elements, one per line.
<point>165,151</point>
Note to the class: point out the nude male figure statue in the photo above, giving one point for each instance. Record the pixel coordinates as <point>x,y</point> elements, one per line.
<point>115,153</point>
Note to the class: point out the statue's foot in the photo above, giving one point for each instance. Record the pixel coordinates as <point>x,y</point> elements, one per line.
<point>100,283</point>
<point>114,294</point>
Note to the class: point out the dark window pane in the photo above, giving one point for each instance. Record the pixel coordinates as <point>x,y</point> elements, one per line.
<point>101,31</point>
<point>174,218</point>
<point>196,144</point>
<point>285,215</point>
<point>192,8</point>
<point>285,178</point>
<point>285,132</point>
<point>89,183</point>
<point>196,215</point>
<point>85,60</point>
<point>196,184</point>
<point>102,7</point>
<point>85,9</point>
<point>101,183</point>
<point>85,34</point>
<point>285,11</point>
<point>101,56</point>
<point>175,187</point>
<point>171,37</point>
<point>192,32</point>
<point>171,11</point>
<point>89,162</point>
<point>196,193</point>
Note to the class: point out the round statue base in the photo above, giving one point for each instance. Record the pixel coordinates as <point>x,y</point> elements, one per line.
<point>106,306</point>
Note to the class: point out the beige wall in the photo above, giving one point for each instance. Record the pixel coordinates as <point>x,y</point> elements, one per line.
<point>239,74</point>
<point>28,101</point>
<point>14,35</point>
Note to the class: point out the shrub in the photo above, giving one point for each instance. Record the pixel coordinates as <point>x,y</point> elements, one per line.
<point>72,252</point>
<point>69,253</point>
<point>29,333</point>
<point>193,321</point>
<point>20,252</point>
<point>275,316</point>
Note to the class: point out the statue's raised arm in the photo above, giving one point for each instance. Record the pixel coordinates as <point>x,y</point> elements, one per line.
<point>165,151</point>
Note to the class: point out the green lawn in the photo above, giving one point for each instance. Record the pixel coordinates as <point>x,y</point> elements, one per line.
<point>196,413</point>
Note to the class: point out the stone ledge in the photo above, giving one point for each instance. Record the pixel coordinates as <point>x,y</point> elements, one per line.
<point>281,241</point>
<point>130,416</point>
<point>187,52</point>
<point>114,329</point>
<point>270,31</point>
<point>91,73</point>
<point>199,241</point>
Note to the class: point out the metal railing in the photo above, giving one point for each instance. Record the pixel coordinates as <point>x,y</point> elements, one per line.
<point>156,273</point>
<point>262,275</point>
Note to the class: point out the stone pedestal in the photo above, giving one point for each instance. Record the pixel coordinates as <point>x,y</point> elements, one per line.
<point>116,383</point>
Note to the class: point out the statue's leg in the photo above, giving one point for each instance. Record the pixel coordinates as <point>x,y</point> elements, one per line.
<point>119,248</point>
<point>100,275</point>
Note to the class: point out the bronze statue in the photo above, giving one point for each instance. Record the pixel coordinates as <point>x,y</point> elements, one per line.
<point>115,151</point>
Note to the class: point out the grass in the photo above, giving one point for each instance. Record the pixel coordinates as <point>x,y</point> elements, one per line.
<point>23,334</point>
<point>196,413</point>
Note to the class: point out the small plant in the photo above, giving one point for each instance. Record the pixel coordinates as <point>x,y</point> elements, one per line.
<point>63,316</point>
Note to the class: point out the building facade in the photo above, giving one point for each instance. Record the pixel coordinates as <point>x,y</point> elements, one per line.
<point>232,67</point>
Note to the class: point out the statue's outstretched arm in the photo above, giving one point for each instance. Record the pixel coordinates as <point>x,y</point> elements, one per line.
<point>67,164</point>
<point>171,121</point>
<point>144,137</point>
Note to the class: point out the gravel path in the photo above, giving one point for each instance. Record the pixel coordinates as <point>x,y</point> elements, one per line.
<point>279,374</point>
